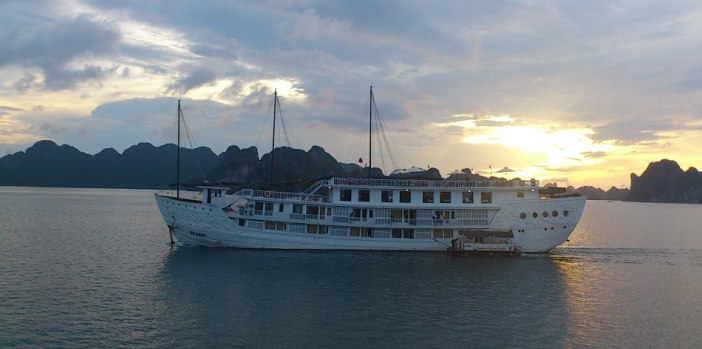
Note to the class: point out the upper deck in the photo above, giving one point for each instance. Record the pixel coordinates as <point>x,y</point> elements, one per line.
<point>430,184</point>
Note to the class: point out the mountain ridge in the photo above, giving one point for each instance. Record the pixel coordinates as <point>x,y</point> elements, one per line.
<point>145,166</point>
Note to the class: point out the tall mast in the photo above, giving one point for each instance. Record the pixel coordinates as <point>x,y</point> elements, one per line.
<point>275,105</point>
<point>178,156</point>
<point>370,132</point>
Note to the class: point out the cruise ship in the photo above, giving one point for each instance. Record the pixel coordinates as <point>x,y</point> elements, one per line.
<point>391,213</point>
<point>379,214</point>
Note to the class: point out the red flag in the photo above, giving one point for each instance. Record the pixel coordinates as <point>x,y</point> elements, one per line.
<point>360,160</point>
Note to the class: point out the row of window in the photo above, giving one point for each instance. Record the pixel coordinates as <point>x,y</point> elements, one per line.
<point>428,197</point>
<point>397,233</point>
<point>544,214</point>
<point>300,211</point>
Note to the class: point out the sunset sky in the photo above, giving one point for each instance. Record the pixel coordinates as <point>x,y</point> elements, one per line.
<point>578,92</point>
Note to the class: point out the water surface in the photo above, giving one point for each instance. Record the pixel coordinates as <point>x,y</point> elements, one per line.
<point>92,267</point>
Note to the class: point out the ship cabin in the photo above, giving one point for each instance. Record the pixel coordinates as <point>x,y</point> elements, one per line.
<point>213,195</point>
<point>381,208</point>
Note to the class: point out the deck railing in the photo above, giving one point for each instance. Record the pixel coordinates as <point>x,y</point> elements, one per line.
<point>282,195</point>
<point>422,183</point>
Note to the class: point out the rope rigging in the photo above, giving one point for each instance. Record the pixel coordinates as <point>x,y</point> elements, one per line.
<point>192,148</point>
<point>381,145</point>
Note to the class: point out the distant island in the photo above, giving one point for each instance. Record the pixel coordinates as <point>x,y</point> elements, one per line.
<point>665,181</point>
<point>144,166</point>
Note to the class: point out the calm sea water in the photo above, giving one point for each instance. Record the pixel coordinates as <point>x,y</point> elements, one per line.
<point>92,268</point>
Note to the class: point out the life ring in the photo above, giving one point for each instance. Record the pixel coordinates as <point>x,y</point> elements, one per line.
<point>521,183</point>
<point>267,194</point>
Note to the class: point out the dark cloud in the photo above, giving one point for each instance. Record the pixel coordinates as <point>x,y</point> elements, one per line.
<point>628,132</point>
<point>53,48</point>
<point>195,78</point>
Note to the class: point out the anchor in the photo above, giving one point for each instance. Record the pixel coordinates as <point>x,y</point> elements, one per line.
<point>171,228</point>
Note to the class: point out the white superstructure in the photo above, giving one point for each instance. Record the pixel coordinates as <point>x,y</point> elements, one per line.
<point>379,214</point>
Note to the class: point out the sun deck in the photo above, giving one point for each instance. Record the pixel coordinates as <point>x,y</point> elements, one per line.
<point>437,184</point>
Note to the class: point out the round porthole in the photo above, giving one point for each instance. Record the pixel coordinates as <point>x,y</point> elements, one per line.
<point>534,214</point>
<point>554,213</point>
<point>565,213</point>
<point>522,215</point>
<point>545,214</point>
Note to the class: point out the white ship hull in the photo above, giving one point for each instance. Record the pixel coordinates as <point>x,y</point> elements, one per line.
<point>197,223</point>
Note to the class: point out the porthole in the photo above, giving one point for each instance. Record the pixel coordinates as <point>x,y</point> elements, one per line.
<point>522,215</point>
<point>545,214</point>
<point>554,213</point>
<point>565,213</point>
<point>534,214</point>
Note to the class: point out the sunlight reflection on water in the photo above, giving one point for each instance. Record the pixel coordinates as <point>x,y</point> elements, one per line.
<point>92,267</point>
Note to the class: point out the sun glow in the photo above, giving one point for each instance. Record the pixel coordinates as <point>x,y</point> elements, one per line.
<point>559,148</point>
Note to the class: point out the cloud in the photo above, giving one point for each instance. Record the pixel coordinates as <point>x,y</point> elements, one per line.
<point>61,50</point>
<point>628,132</point>
<point>197,77</point>
<point>573,80</point>
<point>5,110</point>
<point>310,26</point>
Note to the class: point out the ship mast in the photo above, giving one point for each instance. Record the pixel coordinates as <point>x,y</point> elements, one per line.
<point>275,105</point>
<point>370,132</point>
<point>178,155</point>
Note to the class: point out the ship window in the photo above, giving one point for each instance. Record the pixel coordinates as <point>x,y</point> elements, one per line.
<point>555,213</point>
<point>269,206</point>
<point>403,233</point>
<point>545,214</point>
<point>280,208</point>
<point>486,197</point>
<point>445,197</point>
<point>522,215</point>
<point>297,208</point>
<point>396,215</point>
<point>364,195</point>
<point>386,196</point>
<point>565,213</point>
<point>312,210</point>
<point>364,232</point>
<point>534,214</point>
<point>345,195</point>
<point>258,206</point>
<point>242,222</point>
<point>312,229</point>
<point>270,225</point>
<point>443,233</point>
<point>428,197</point>
<point>520,194</point>
<point>405,196</point>
<point>467,197</point>
<point>280,226</point>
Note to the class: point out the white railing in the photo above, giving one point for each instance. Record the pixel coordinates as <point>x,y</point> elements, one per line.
<point>277,195</point>
<point>421,183</point>
<point>313,188</point>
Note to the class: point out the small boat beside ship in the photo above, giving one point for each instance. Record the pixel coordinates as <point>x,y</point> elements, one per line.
<point>396,213</point>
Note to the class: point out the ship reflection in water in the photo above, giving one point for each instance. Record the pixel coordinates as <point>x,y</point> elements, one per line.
<point>572,297</point>
<point>359,299</point>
